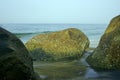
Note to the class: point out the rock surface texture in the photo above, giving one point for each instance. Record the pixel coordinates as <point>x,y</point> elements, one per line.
<point>15,61</point>
<point>66,44</point>
<point>107,54</point>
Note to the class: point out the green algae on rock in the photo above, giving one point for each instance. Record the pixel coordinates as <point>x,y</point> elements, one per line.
<point>66,44</point>
<point>107,54</point>
<point>15,61</point>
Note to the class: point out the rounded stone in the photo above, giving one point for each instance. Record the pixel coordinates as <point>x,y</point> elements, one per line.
<point>107,54</point>
<point>65,44</point>
<point>15,61</point>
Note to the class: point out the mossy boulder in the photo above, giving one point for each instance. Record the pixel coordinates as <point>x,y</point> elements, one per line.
<point>15,61</point>
<point>107,54</point>
<point>66,44</point>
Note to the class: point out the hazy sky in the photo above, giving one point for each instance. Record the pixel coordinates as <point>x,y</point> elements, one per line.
<point>58,11</point>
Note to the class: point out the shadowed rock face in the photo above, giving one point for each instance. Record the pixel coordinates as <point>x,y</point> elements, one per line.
<point>107,54</point>
<point>66,44</point>
<point>15,61</point>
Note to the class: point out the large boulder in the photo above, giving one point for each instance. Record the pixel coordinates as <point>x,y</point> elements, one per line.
<point>15,61</point>
<point>107,54</point>
<point>66,44</point>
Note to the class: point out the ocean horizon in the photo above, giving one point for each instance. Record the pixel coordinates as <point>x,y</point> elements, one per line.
<point>27,31</point>
<point>86,72</point>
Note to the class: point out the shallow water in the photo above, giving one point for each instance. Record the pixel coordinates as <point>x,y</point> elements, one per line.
<point>75,70</point>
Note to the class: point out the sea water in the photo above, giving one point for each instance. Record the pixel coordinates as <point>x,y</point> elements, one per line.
<point>92,31</point>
